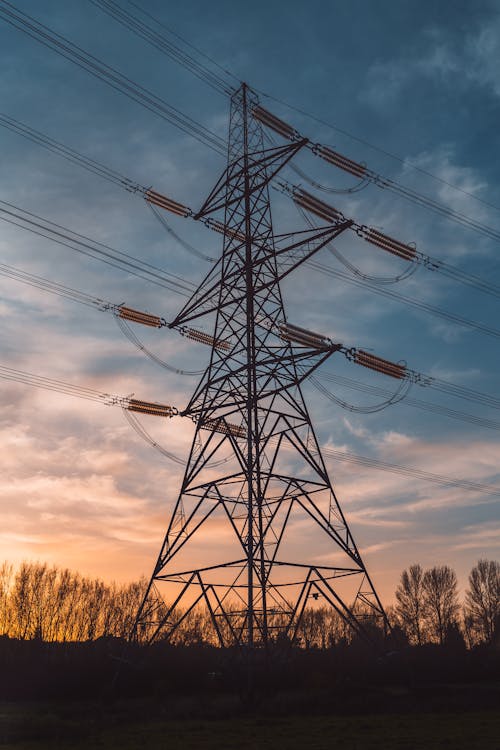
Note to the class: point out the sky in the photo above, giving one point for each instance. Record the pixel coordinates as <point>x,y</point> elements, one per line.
<point>418,80</point>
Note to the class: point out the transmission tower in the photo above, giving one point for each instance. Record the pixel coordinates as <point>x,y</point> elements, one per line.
<point>256,493</point>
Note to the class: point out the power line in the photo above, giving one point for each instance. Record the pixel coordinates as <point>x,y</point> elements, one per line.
<point>203,71</point>
<point>46,285</point>
<point>210,59</point>
<point>60,386</point>
<point>112,77</point>
<point>406,300</point>
<point>97,168</point>
<point>393,398</point>
<point>427,406</point>
<point>380,150</point>
<point>90,394</point>
<point>76,295</point>
<point>68,153</point>
<point>166,226</point>
<point>70,389</point>
<point>163,45</point>
<point>130,185</point>
<point>411,472</point>
<point>129,333</point>
<point>98,251</point>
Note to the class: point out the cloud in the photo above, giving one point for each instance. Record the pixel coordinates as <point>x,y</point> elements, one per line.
<point>479,537</point>
<point>482,59</point>
<point>442,58</point>
<point>77,486</point>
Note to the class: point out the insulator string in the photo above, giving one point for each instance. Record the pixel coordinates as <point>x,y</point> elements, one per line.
<point>404,161</point>
<point>409,271</point>
<point>51,384</point>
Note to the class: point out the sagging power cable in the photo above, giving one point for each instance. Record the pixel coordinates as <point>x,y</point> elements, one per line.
<point>362,172</point>
<point>150,408</point>
<point>310,204</point>
<point>221,83</point>
<point>394,398</point>
<point>129,333</point>
<point>122,312</point>
<point>431,407</point>
<point>402,160</point>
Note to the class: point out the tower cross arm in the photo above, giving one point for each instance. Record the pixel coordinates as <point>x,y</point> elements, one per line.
<point>207,300</point>
<point>298,252</point>
<point>265,165</point>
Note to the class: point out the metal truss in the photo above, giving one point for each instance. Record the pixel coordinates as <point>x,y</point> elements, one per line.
<point>257,533</point>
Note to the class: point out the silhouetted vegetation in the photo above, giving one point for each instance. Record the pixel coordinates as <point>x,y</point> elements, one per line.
<point>428,611</point>
<point>54,604</point>
<point>49,604</point>
<point>64,636</point>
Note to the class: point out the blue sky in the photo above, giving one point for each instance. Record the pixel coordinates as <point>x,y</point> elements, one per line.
<point>418,80</point>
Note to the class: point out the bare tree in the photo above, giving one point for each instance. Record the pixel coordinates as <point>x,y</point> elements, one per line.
<point>482,600</point>
<point>334,628</point>
<point>410,603</point>
<point>21,602</point>
<point>440,602</point>
<point>6,576</point>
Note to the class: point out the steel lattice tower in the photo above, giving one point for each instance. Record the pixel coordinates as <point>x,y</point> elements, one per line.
<point>255,480</point>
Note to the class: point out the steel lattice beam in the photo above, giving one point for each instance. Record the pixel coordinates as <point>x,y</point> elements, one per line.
<point>255,463</point>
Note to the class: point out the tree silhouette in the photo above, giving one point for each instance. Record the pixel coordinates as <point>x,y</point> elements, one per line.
<point>440,602</point>
<point>482,599</point>
<point>410,603</point>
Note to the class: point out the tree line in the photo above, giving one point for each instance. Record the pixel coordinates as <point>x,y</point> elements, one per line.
<point>56,604</point>
<point>428,609</point>
<point>48,603</point>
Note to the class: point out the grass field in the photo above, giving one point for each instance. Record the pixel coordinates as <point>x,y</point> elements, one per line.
<point>75,727</point>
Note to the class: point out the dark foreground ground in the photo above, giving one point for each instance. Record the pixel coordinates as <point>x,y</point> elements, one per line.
<point>70,697</point>
<point>220,722</point>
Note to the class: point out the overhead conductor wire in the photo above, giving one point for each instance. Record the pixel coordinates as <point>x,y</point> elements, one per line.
<point>443,386</point>
<point>34,31</point>
<point>38,381</point>
<point>204,72</point>
<point>112,77</point>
